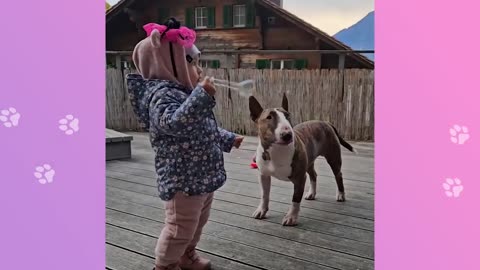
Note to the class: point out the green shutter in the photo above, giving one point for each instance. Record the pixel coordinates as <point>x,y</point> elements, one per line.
<point>228,16</point>
<point>189,18</point>
<point>301,63</point>
<point>262,64</point>
<point>250,10</point>
<point>216,64</point>
<point>211,17</point>
<point>163,15</point>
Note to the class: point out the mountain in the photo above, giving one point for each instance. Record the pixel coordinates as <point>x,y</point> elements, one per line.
<point>360,36</point>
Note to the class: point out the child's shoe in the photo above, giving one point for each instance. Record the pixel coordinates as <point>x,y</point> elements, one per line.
<point>192,261</point>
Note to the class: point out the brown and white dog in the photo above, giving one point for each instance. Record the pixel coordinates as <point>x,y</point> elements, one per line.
<point>288,153</point>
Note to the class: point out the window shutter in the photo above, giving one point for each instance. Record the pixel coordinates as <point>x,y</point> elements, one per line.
<point>250,14</point>
<point>228,16</point>
<point>163,15</point>
<point>189,18</point>
<point>301,63</point>
<point>211,17</point>
<point>216,64</point>
<point>262,64</point>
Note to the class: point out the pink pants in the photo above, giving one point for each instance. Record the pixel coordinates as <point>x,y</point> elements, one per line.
<point>185,217</point>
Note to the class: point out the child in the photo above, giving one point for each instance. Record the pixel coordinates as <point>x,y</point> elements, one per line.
<point>176,107</point>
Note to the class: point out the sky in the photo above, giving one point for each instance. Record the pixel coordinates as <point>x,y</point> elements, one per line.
<point>330,16</point>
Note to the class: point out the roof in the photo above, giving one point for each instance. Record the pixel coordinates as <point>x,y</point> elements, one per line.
<point>114,10</point>
<point>314,31</point>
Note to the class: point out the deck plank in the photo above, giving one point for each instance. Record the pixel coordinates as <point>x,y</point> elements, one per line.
<point>322,240</point>
<point>136,250</point>
<point>330,235</point>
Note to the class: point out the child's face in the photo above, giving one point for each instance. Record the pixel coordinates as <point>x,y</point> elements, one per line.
<point>195,71</point>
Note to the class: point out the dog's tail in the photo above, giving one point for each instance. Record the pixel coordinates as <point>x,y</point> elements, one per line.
<point>342,141</point>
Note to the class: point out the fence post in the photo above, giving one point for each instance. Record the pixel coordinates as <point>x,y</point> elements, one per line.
<point>118,61</point>
<point>341,61</point>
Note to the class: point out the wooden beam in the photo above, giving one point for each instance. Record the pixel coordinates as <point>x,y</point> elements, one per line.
<point>229,61</point>
<point>319,60</point>
<point>317,43</point>
<point>341,61</point>
<point>118,62</point>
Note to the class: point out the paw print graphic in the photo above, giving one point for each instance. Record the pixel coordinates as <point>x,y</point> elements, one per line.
<point>69,124</point>
<point>9,117</point>
<point>459,134</point>
<point>44,174</point>
<point>453,187</point>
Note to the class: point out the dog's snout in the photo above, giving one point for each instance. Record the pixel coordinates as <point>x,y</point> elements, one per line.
<point>286,136</point>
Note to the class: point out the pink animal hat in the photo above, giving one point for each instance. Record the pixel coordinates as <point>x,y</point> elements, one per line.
<point>165,53</point>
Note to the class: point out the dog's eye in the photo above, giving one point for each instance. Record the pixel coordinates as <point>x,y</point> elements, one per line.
<point>269,117</point>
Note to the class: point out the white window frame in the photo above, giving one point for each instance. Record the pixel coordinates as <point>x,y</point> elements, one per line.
<point>201,13</point>
<point>282,63</point>
<point>239,12</point>
<point>203,63</point>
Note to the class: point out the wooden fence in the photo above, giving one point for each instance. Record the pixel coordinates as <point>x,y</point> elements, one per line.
<point>345,98</point>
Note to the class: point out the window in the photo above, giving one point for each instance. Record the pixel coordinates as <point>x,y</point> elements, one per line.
<point>282,64</point>
<point>127,64</point>
<point>201,17</point>
<point>209,63</point>
<point>239,16</point>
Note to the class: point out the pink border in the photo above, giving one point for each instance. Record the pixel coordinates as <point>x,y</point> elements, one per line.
<point>426,82</point>
<point>54,64</point>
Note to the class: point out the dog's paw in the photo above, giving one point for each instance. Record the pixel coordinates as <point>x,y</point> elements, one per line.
<point>340,196</point>
<point>290,219</point>
<point>260,213</point>
<point>310,196</point>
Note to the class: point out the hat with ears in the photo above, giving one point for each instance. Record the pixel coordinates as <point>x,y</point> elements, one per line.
<point>166,52</point>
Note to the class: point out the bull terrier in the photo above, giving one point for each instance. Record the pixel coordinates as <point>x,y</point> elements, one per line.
<point>288,153</point>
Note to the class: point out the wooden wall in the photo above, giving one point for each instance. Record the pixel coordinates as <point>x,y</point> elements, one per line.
<point>123,34</point>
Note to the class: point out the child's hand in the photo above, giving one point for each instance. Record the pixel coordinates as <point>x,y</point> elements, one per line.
<point>208,85</point>
<point>238,141</point>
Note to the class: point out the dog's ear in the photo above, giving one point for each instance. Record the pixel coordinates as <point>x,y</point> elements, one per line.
<point>285,102</point>
<point>255,108</point>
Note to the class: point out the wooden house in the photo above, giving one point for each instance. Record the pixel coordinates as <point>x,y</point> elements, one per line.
<point>235,34</point>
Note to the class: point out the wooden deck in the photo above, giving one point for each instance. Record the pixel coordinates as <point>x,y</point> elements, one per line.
<point>118,145</point>
<point>330,235</point>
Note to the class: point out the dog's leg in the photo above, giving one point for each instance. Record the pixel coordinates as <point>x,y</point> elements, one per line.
<point>312,174</point>
<point>265,183</point>
<point>291,218</point>
<point>335,162</point>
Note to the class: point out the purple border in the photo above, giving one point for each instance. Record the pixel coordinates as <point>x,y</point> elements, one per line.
<point>53,64</point>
